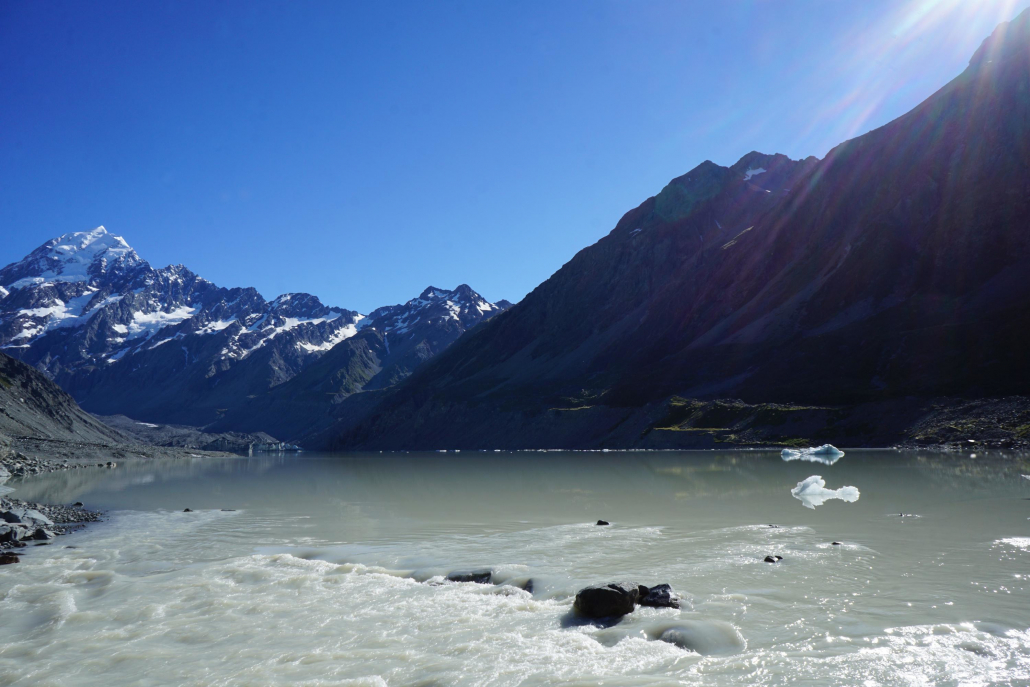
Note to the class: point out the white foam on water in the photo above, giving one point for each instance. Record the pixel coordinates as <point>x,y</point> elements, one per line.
<point>264,597</point>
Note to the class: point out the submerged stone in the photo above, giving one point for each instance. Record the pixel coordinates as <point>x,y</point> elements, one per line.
<point>706,637</point>
<point>481,576</point>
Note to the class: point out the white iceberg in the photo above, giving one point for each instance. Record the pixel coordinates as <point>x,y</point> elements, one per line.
<point>826,454</point>
<point>812,492</point>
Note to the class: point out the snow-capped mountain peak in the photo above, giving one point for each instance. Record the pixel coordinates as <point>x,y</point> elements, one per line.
<point>461,307</point>
<point>82,256</point>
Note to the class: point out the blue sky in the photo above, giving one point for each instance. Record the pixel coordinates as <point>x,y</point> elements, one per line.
<point>362,151</point>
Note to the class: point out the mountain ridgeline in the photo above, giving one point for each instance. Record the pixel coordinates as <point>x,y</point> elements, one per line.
<point>167,346</point>
<point>896,267</point>
<point>834,299</point>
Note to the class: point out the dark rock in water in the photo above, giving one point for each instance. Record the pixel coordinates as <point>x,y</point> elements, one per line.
<point>8,558</point>
<point>773,559</point>
<point>603,522</point>
<point>187,510</point>
<point>228,510</point>
<point>41,534</point>
<point>659,596</point>
<point>603,600</point>
<point>481,576</point>
<point>77,504</point>
<point>527,586</point>
<point>836,543</point>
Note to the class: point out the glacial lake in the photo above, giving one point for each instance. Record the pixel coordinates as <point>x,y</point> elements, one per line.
<point>328,570</point>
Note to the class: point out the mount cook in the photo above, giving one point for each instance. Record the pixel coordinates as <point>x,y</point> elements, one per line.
<point>166,345</point>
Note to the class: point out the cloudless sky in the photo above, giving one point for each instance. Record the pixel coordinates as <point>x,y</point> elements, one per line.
<point>362,151</point>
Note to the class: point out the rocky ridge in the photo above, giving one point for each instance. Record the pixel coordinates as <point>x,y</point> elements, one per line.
<point>166,345</point>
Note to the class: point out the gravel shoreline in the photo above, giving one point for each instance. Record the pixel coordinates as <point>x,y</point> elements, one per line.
<point>27,523</point>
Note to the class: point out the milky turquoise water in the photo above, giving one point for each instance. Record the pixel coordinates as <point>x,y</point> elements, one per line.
<point>328,570</point>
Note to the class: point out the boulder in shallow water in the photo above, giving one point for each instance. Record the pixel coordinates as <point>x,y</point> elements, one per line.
<point>8,558</point>
<point>659,596</point>
<point>9,534</point>
<point>605,600</point>
<point>773,559</point>
<point>706,637</point>
<point>34,517</point>
<point>481,576</point>
<point>603,522</point>
<point>41,534</point>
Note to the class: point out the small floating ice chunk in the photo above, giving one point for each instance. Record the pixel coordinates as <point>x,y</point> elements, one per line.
<point>812,492</point>
<point>826,454</point>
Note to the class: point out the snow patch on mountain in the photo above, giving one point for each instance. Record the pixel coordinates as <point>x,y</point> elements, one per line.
<point>148,324</point>
<point>752,172</point>
<point>341,335</point>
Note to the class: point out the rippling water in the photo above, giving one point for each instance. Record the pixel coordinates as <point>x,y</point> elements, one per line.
<point>328,570</point>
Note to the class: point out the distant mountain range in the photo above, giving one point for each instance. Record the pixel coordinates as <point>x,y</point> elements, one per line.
<point>165,345</point>
<point>897,267</point>
<point>833,299</point>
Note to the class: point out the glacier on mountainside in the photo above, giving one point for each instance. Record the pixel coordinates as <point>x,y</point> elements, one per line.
<point>812,492</point>
<point>752,172</point>
<point>826,454</point>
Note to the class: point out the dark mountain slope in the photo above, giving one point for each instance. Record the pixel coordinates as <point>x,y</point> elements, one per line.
<point>894,267</point>
<point>31,406</point>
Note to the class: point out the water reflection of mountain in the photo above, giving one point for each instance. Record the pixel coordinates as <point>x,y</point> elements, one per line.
<point>66,485</point>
